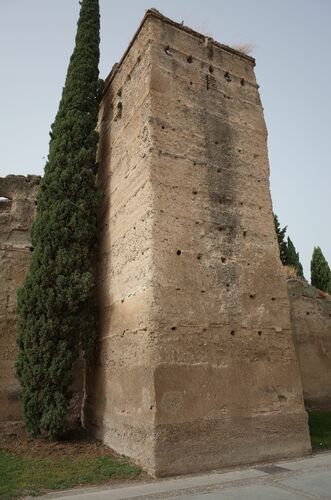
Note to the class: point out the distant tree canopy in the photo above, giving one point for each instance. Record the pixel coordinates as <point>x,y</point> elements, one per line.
<point>287,252</point>
<point>281,240</point>
<point>320,271</point>
<point>292,258</point>
<point>56,305</point>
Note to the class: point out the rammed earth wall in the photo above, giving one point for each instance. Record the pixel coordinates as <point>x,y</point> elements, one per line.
<point>197,366</point>
<point>311,323</point>
<point>17,208</point>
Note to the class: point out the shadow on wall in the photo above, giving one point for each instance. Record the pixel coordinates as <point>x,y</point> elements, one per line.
<point>311,326</point>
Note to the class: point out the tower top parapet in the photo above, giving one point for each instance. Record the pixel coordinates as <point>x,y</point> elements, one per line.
<point>154,13</point>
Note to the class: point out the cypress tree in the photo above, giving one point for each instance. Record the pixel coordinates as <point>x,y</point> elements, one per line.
<point>281,240</point>
<point>56,305</point>
<point>287,252</point>
<point>320,271</point>
<point>293,257</point>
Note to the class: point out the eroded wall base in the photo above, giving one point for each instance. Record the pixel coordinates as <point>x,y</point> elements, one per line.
<point>220,420</point>
<point>215,444</point>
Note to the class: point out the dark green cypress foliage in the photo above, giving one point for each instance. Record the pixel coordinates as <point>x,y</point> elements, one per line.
<point>287,252</point>
<point>320,271</point>
<point>281,240</point>
<point>56,304</point>
<point>293,258</point>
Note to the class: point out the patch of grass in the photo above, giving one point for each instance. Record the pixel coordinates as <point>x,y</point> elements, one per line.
<point>21,475</point>
<point>320,429</point>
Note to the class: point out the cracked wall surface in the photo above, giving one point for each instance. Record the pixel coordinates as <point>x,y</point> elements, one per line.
<point>197,366</point>
<point>311,323</point>
<point>17,209</point>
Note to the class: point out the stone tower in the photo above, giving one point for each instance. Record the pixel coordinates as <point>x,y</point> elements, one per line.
<point>196,368</point>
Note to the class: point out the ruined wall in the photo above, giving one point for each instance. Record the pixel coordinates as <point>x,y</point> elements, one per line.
<point>16,216</point>
<point>197,367</point>
<point>17,211</point>
<point>311,323</point>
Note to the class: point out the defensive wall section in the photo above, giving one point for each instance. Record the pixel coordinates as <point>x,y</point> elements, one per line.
<point>18,199</point>
<point>197,366</point>
<point>17,209</point>
<point>200,336</point>
<point>311,324</point>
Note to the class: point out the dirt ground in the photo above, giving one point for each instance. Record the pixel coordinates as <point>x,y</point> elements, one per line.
<point>76,444</point>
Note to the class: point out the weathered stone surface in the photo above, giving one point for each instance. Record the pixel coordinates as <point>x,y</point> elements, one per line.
<point>311,323</point>
<point>197,367</point>
<point>17,208</point>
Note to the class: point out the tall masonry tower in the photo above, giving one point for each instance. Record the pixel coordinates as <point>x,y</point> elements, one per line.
<point>196,368</point>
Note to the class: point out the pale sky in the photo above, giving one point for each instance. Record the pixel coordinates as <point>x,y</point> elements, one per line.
<point>291,39</point>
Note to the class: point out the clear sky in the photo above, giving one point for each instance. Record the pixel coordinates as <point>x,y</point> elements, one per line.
<point>291,39</point>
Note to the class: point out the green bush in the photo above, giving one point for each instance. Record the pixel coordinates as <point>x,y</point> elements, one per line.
<point>320,428</point>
